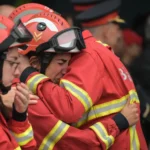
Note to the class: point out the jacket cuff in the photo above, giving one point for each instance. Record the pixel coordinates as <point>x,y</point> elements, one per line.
<point>18,116</point>
<point>121,121</point>
<point>26,73</point>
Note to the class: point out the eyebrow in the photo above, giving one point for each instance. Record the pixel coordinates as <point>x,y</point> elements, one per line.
<point>14,57</point>
<point>62,60</point>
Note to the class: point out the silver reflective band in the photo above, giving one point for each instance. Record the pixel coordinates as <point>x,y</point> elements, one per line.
<point>25,137</point>
<point>101,132</point>
<point>2,26</point>
<point>134,140</point>
<point>34,81</point>
<point>27,12</point>
<point>79,93</point>
<point>108,108</point>
<point>54,136</point>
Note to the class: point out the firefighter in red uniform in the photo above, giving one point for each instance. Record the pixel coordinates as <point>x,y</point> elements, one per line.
<point>15,133</point>
<point>102,125</point>
<point>74,136</point>
<point>90,96</point>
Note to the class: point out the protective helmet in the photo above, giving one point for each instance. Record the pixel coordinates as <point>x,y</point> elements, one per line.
<point>25,11</point>
<point>42,26</point>
<point>47,26</point>
<point>11,36</point>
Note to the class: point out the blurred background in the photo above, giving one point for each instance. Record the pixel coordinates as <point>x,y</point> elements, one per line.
<point>133,49</point>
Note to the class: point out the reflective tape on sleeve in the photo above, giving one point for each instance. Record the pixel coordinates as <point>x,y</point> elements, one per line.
<point>34,81</point>
<point>102,134</point>
<point>54,136</point>
<point>77,92</point>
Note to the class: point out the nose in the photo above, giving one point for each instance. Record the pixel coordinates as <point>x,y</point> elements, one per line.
<point>64,71</point>
<point>17,72</point>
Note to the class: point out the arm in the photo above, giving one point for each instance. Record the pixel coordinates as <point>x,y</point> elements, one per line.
<point>78,92</point>
<point>19,125</point>
<point>86,138</point>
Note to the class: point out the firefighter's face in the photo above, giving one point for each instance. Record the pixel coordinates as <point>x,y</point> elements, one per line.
<point>114,36</point>
<point>10,66</point>
<point>58,66</point>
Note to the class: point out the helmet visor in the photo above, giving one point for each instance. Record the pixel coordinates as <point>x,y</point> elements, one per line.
<point>64,41</point>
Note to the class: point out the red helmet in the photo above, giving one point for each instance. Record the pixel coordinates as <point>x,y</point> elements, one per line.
<point>12,35</point>
<point>43,26</point>
<point>5,28</point>
<point>27,10</point>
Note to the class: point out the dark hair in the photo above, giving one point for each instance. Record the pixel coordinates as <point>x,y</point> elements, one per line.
<point>4,110</point>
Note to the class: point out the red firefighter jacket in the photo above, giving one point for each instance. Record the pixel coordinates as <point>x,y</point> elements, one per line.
<point>52,134</point>
<point>96,86</point>
<point>16,135</point>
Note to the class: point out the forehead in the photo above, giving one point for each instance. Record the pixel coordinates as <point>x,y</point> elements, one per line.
<point>13,53</point>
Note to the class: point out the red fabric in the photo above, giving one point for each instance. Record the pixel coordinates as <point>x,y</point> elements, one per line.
<point>43,121</point>
<point>131,37</point>
<point>100,21</point>
<point>79,8</point>
<point>103,83</point>
<point>7,141</point>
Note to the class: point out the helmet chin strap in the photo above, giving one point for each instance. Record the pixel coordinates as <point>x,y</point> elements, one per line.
<point>45,60</point>
<point>3,89</point>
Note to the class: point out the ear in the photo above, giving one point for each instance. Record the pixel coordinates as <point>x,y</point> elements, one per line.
<point>109,31</point>
<point>34,62</point>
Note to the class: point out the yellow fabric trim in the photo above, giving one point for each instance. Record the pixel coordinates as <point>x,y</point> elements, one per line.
<point>23,134</point>
<point>106,45</point>
<point>134,139</point>
<point>18,148</point>
<point>25,141</point>
<point>137,140</point>
<point>31,81</point>
<point>51,133</point>
<point>78,96</point>
<point>95,114</point>
<point>100,135</point>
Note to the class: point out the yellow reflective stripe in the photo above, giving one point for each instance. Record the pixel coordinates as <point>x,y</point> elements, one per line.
<point>25,137</point>
<point>134,140</point>
<point>54,136</point>
<point>34,81</point>
<point>104,44</point>
<point>18,148</point>
<point>101,132</point>
<point>107,108</point>
<point>77,92</point>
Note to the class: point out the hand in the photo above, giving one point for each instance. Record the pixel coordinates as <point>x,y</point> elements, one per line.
<point>22,98</point>
<point>8,98</point>
<point>33,99</point>
<point>130,111</point>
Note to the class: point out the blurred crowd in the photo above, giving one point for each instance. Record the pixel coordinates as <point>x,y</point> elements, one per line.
<point>129,41</point>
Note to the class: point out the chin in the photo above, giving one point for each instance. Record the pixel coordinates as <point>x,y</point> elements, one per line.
<point>7,84</point>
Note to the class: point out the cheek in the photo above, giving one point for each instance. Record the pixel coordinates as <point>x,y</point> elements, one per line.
<point>7,77</point>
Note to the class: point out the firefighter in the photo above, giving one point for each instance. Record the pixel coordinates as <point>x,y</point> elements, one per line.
<point>16,133</point>
<point>80,93</point>
<point>42,112</point>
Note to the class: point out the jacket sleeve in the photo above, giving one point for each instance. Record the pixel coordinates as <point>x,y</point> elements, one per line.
<point>78,92</point>
<point>100,136</point>
<point>4,145</point>
<point>57,134</point>
<point>23,133</point>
